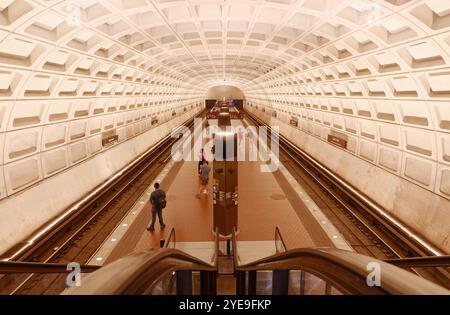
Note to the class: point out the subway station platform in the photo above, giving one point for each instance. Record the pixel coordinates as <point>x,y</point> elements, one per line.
<point>266,201</point>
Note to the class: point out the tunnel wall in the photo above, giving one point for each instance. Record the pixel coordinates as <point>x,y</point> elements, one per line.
<point>425,212</point>
<point>24,212</point>
<point>66,90</point>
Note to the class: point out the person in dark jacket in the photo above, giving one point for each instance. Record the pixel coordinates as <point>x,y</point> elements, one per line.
<point>201,158</point>
<point>157,200</point>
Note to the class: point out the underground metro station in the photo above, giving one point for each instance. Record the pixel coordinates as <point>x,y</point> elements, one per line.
<point>225,147</point>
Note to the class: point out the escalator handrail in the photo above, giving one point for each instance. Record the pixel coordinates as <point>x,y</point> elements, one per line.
<point>8,267</point>
<point>137,272</point>
<point>234,244</point>
<point>347,271</point>
<point>170,237</point>
<point>421,262</point>
<point>216,246</point>
<point>280,237</point>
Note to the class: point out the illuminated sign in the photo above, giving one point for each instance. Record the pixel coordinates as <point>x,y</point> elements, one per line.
<point>337,141</point>
<point>109,138</point>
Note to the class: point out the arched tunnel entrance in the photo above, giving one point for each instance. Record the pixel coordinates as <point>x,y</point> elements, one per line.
<point>225,92</point>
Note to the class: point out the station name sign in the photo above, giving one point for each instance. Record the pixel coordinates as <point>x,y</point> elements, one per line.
<point>293,122</point>
<point>342,143</point>
<point>109,138</point>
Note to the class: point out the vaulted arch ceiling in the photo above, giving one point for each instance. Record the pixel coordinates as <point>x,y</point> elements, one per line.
<point>245,42</point>
<point>284,54</point>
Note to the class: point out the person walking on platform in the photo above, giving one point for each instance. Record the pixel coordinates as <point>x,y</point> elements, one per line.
<point>213,148</point>
<point>158,202</point>
<point>201,158</point>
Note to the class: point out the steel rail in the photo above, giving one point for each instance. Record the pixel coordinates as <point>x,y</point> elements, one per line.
<point>57,224</point>
<point>147,159</point>
<point>294,158</point>
<point>413,241</point>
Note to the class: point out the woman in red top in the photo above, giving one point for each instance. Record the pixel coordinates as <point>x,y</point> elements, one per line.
<point>201,158</point>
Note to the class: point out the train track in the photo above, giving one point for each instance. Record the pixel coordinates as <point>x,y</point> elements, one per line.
<point>364,231</point>
<point>78,238</point>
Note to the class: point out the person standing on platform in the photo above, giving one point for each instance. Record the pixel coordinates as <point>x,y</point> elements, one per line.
<point>250,137</point>
<point>158,202</point>
<point>207,127</point>
<point>204,177</point>
<point>240,135</point>
<point>251,144</point>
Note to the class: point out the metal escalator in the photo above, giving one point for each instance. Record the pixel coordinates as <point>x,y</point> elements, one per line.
<point>194,270</point>
<point>168,270</point>
<point>146,272</point>
<point>287,271</point>
<point>163,271</point>
<point>331,271</point>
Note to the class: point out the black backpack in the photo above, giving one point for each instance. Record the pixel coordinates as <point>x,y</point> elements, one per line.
<point>161,200</point>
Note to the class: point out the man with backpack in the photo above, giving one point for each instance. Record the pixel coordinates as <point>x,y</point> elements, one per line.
<point>158,201</point>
